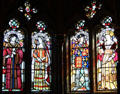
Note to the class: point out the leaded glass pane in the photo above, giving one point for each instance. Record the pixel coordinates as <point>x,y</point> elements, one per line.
<point>13,64</point>
<point>107,57</point>
<point>80,59</point>
<point>41,59</point>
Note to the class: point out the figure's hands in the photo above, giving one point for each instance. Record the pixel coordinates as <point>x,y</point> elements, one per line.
<point>7,56</point>
<point>43,58</point>
<point>109,59</point>
<point>40,60</point>
<point>14,53</point>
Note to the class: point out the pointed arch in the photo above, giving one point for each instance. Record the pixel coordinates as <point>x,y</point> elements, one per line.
<point>13,53</point>
<point>107,57</point>
<point>41,59</point>
<point>79,51</point>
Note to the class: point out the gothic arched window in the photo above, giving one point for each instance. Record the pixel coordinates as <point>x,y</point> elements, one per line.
<point>41,59</point>
<point>13,64</point>
<point>79,49</point>
<point>107,57</point>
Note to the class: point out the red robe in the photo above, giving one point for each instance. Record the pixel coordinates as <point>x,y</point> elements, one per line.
<point>13,72</point>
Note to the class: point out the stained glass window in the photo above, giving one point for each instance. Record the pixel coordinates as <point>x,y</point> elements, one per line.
<point>92,9</point>
<point>27,10</point>
<point>107,57</point>
<point>13,64</point>
<point>80,59</point>
<point>41,59</point>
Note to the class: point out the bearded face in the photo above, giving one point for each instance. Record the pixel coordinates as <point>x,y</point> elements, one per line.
<point>13,40</point>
